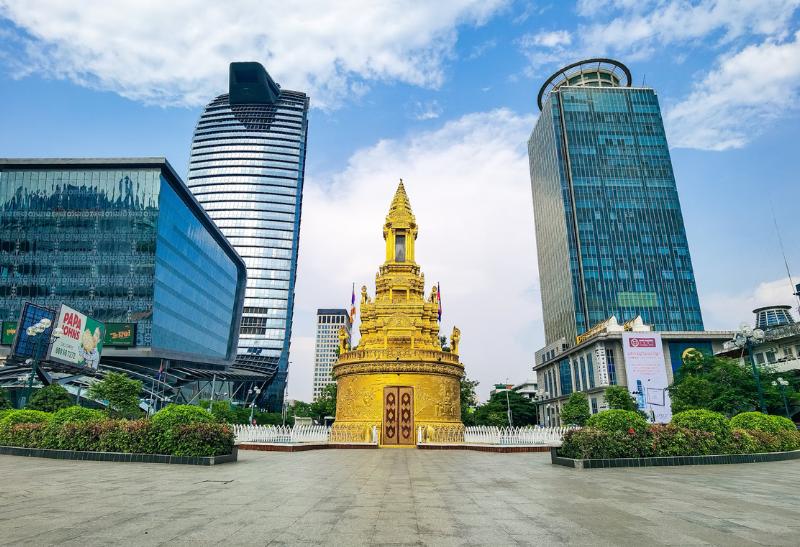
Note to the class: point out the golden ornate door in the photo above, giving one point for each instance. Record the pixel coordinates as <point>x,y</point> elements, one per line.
<point>398,416</point>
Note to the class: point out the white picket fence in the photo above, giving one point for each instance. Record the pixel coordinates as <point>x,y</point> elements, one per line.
<point>483,434</point>
<point>281,434</point>
<point>488,435</point>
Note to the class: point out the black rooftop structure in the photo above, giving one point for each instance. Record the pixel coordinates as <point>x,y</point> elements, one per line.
<point>250,83</point>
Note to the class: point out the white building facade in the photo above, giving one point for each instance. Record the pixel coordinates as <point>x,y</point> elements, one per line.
<point>329,321</point>
<point>598,360</point>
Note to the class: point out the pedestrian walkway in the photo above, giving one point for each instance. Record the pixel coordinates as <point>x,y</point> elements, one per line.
<point>358,497</point>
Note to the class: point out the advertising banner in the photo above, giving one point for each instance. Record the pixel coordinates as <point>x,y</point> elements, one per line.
<point>81,341</point>
<point>647,375</point>
<point>9,332</point>
<point>120,334</point>
<point>26,346</point>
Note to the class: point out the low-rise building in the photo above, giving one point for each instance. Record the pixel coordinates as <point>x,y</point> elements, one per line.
<point>780,347</point>
<point>527,389</point>
<point>605,354</point>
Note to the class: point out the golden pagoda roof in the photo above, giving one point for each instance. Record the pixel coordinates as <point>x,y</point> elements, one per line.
<point>400,209</point>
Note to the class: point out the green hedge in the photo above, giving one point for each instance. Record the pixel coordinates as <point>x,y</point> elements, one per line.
<point>703,420</point>
<point>76,414</point>
<point>762,422</point>
<point>24,417</point>
<point>673,440</point>
<point>618,420</point>
<point>177,433</point>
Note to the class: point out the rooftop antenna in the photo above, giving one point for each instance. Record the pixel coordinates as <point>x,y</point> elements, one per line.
<point>795,289</point>
<point>644,79</point>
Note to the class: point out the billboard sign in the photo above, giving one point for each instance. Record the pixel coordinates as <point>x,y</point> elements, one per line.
<point>120,334</point>
<point>25,345</point>
<point>81,342</point>
<point>645,367</point>
<point>9,332</point>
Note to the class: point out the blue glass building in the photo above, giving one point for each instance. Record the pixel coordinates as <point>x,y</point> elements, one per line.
<point>609,228</point>
<point>247,166</point>
<point>123,241</point>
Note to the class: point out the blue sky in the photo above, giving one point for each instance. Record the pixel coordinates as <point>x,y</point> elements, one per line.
<point>444,96</point>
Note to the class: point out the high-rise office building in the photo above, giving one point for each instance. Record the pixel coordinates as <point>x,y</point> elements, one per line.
<point>329,321</point>
<point>609,228</point>
<point>246,168</point>
<point>123,241</point>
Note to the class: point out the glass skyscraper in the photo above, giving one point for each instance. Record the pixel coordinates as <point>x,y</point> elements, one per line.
<point>246,168</point>
<point>123,241</point>
<point>609,228</point>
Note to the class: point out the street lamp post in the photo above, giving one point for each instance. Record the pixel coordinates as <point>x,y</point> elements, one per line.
<point>253,390</point>
<point>781,384</point>
<point>747,338</point>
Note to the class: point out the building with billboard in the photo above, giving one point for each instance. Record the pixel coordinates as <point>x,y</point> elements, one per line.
<point>609,229</point>
<point>326,344</point>
<point>246,168</point>
<point>124,242</point>
<point>632,354</point>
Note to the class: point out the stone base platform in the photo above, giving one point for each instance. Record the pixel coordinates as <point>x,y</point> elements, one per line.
<point>499,449</point>
<point>301,447</point>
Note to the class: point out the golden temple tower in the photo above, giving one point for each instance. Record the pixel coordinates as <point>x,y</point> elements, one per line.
<point>398,378</point>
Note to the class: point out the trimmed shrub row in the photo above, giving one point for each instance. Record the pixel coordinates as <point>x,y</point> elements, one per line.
<point>173,431</point>
<point>621,434</point>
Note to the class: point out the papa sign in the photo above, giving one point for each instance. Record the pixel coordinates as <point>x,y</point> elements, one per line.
<point>81,341</point>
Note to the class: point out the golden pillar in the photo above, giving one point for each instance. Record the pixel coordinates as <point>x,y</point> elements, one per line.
<point>398,378</point>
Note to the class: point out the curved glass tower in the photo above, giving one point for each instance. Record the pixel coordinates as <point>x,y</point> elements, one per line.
<point>246,168</point>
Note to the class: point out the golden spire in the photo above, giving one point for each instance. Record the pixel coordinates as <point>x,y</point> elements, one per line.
<point>400,210</point>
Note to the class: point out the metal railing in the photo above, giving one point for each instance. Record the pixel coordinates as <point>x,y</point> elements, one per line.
<point>276,434</point>
<point>499,436</point>
<point>281,434</point>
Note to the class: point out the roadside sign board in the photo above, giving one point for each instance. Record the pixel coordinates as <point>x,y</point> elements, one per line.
<point>81,342</point>
<point>120,334</point>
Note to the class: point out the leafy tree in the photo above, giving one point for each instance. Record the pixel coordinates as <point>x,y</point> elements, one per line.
<point>120,393</point>
<point>443,343</point>
<point>495,411</point>
<point>469,400</point>
<point>576,410</point>
<point>325,404</point>
<point>5,403</point>
<point>50,399</point>
<point>618,398</point>
<point>724,385</point>
<point>300,409</point>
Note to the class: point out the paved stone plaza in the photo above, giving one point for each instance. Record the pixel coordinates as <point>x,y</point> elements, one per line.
<point>350,497</point>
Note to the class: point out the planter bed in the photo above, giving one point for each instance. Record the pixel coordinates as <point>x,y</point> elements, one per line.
<point>672,460</point>
<point>117,456</point>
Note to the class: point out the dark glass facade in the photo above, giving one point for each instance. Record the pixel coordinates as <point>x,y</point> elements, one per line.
<point>122,241</point>
<point>247,166</point>
<point>609,228</point>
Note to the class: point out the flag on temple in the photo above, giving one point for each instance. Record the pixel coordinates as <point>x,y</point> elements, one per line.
<point>439,300</point>
<point>353,305</point>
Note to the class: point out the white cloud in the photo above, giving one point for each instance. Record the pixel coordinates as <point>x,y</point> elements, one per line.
<point>641,27</point>
<point>737,99</point>
<point>470,190</point>
<point>635,29</point>
<point>177,53</point>
<point>549,39</point>
<point>429,110</point>
<point>725,311</point>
